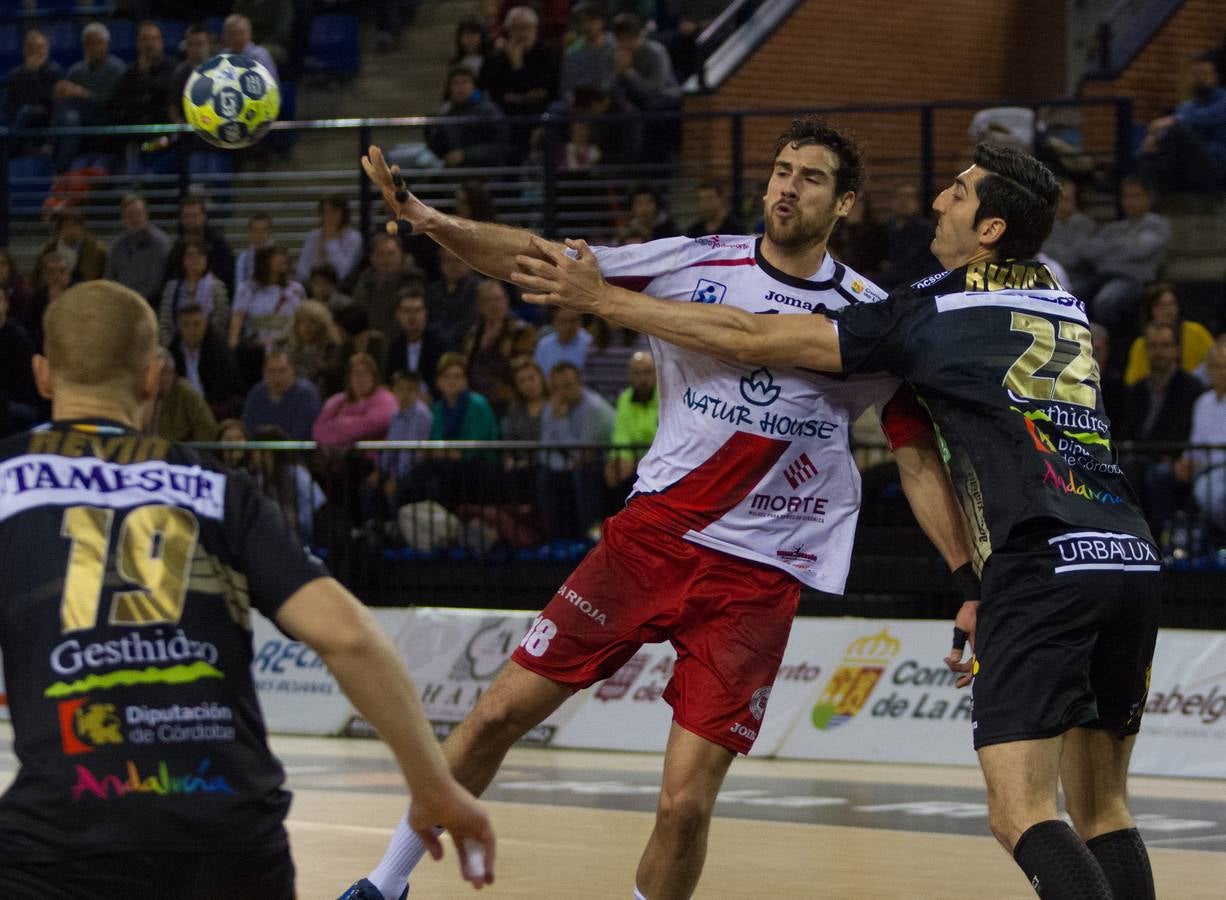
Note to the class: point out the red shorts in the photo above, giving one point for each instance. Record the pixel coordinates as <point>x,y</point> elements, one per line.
<point>727,618</point>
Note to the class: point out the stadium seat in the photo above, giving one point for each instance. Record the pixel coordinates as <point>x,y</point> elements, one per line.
<point>123,39</point>
<point>65,39</point>
<point>29,183</point>
<point>333,48</point>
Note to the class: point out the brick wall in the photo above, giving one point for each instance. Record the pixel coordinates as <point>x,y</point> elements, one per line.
<point>883,51</point>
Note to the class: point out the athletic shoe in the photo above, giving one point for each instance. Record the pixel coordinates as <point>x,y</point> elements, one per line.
<point>362,889</point>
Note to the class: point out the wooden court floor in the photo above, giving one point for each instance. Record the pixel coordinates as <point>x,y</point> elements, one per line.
<point>572,824</point>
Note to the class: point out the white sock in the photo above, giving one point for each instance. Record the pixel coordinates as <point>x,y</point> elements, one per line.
<point>404,851</point>
<point>639,895</point>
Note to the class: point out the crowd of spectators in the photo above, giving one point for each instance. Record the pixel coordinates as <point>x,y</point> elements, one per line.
<point>370,348</point>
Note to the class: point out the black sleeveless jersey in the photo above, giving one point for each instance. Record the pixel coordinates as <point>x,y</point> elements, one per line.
<point>1001,356</point>
<point>128,567</point>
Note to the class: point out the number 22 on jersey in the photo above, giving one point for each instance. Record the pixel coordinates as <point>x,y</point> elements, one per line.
<point>1067,387</point>
<point>154,551</point>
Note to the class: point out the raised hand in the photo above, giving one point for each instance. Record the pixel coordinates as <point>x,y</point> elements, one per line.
<point>408,212</point>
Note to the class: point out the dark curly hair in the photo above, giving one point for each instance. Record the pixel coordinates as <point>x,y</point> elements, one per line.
<point>813,129</point>
<point>1022,191</point>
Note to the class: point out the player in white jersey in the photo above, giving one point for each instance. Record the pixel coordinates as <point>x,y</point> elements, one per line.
<point>748,490</point>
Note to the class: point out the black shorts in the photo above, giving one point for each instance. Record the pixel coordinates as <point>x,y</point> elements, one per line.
<point>1065,635</point>
<point>257,875</point>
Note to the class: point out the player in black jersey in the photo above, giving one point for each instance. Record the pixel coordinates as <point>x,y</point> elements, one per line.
<point>1000,354</point>
<point>128,570</point>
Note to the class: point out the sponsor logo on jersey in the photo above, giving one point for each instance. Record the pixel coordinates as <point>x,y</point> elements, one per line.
<point>584,606</point>
<point>743,731</point>
<point>1070,485</point>
<point>30,481</point>
<point>85,725</point>
<point>788,300</point>
<point>789,506</point>
<point>759,388</point>
<point>159,782</point>
<point>1104,551</point>
<point>796,554</point>
<point>849,688</point>
<point>179,724</point>
<point>708,291</point>
<point>1056,303</point>
<point>929,281</point>
<point>714,241</point>
<point>188,661</point>
<point>799,471</point>
<point>757,703</point>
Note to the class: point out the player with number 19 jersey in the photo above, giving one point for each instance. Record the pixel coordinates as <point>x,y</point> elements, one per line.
<point>749,486</point>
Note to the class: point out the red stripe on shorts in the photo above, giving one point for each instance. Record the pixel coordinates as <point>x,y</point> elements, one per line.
<point>706,494</point>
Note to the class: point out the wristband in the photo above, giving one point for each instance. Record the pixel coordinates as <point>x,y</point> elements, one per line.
<point>966,581</point>
<point>960,638</point>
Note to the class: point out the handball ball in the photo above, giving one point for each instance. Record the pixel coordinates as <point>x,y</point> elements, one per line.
<point>231,101</point>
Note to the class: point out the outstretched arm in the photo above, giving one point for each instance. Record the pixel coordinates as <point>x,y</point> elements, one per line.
<point>723,331</point>
<point>485,246</point>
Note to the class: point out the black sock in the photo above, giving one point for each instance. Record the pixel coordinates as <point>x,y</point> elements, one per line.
<point>1059,865</point>
<point>1125,863</point>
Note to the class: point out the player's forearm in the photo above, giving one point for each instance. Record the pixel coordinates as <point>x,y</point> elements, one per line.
<point>372,677</point>
<point>485,246</point>
<point>727,332</point>
<point>931,497</point>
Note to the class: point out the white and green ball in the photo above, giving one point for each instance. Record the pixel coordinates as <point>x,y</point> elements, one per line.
<point>231,101</point>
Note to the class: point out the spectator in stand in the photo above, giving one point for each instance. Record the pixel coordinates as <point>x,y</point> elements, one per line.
<point>50,282</point>
<point>1122,257</point>
<point>1161,304</point>
<point>259,234</point>
<point>635,420</point>
<point>451,300</point>
<point>1070,230</point>
<point>390,486</point>
<point>231,431</point>
<point>459,414</point>
<point>19,399</point>
<point>1206,469</point>
<point>604,370</point>
<point>194,224</point>
<point>647,213</point>
<point>315,347</point>
<point>180,412</point>
<point>196,287</point>
<point>859,240</point>
<point>645,79</point>
<point>480,143</point>
<point>81,249</point>
<point>84,97</point>
<point>1187,150</point>
<point>357,336</point>
<point>271,23</point>
<point>581,153</point>
<point>472,46</point>
<point>621,139</point>
<point>31,88</point>
<point>362,411</point>
<point>144,93</point>
<point>574,415</point>
<point>264,307</point>
<point>589,61</point>
<point>415,348</point>
<point>1110,381</point>
<point>286,481</point>
<point>522,77</point>
<point>13,283</point>
<point>908,236</point>
<point>201,354</point>
<point>392,16</point>
<point>281,399</point>
<point>138,256</point>
<point>715,215</point>
<point>522,422</point>
<point>567,342</point>
<point>554,17</point>
<point>322,286</point>
<point>335,241</point>
<point>378,287</point>
<point>236,38</point>
<point>1158,408</point>
<point>197,49</point>
<point>491,344</point>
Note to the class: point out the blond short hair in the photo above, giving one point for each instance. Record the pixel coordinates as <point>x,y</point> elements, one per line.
<point>100,335</point>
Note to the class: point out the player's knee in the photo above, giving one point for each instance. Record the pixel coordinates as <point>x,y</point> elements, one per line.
<point>498,720</point>
<point>1100,816</point>
<point>684,812</point>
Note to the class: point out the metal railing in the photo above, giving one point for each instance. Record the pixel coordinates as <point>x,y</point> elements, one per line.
<point>912,142</point>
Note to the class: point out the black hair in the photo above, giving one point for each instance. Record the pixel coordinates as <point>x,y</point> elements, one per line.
<point>813,129</point>
<point>1022,191</point>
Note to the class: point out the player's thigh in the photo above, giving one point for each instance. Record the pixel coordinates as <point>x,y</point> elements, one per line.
<point>730,643</point>
<point>518,695</point>
<point>626,592</point>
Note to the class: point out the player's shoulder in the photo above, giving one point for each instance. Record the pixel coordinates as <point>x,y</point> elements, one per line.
<point>855,287</point>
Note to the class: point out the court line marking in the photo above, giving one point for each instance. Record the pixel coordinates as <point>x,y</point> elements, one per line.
<point>1188,840</point>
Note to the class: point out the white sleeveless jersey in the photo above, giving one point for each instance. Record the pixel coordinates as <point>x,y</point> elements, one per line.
<point>749,460</point>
